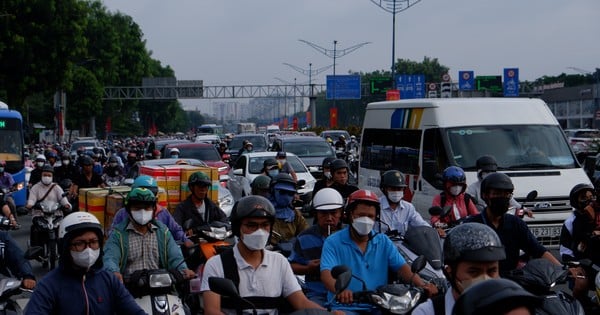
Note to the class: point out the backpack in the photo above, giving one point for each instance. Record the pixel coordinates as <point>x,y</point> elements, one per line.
<point>468,198</point>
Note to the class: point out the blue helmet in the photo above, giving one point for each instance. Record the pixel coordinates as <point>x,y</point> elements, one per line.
<point>454,174</point>
<point>145,181</point>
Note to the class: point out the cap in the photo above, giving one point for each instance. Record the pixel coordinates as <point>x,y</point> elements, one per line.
<point>285,186</point>
<point>281,154</point>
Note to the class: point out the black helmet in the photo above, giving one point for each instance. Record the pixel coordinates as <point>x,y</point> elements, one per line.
<point>86,160</point>
<point>327,161</point>
<point>284,181</point>
<point>261,182</point>
<point>498,181</point>
<point>576,190</point>
<point>113,159</point>
<point>486,163</point>
<point>454,174</point>
<point>250,207</point>
<point>494,296</point>
<point>337,164</point>
<point>392,178</point>
<point>270,162</point>
<point>48,168</point>
<point>473,242</point>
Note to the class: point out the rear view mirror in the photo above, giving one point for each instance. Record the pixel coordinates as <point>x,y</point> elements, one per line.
<point>223,287</point>
<point>418,264</point>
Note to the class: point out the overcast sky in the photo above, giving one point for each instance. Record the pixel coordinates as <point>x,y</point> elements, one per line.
<point>247,41</point>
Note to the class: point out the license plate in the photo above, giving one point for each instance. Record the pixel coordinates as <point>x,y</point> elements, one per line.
<point>546,231</point>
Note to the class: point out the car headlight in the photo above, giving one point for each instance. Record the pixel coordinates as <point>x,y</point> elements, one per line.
<point>160,280</point>
<point>309,186</point>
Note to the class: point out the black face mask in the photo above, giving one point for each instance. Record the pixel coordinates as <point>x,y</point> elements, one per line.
<point>585,203</point>
<point>499,205</point>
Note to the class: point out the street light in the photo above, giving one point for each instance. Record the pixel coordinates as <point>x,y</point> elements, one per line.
<point>394,7</point>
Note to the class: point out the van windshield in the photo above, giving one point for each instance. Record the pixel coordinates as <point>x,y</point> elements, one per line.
<point>515,147</point>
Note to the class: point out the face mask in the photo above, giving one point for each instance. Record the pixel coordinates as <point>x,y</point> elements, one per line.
<point>113,164</point>
<point>281,161</point>
<point>1,169</point>
<point>282,199</point>
<point>395,196</point>
<point>363,225</point>
<point>85,258</point>
<point>66,162</point>
<point>327,175</point>
<point>256,240</point>
<point>40,164</point>
<point>273,173</point>
<point>174,156</point>
<point>465,284</point>
<point>142,217</point>
<point>455,190</point>
<point>499,205</point>
<point>46,180</point>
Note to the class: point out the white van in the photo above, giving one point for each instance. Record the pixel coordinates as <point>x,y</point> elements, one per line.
<point>421,137</point>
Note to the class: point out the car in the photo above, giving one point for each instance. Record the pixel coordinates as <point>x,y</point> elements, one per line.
<point>310,149</point>
<point>583,141</point>
<point>214,139</point>
<point>204,152</point>
<point>258,140</point>
<point>335,134</point>
<point>249,165</point>
<point>160,145</point>
<point>87,144</point>
<point>224,195</point>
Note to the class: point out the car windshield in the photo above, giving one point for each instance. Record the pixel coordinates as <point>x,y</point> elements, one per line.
<point>85,144</point>
<point>256,164</point>
<point>205,153</point>
<point>309,148</point>
<point>258,142</point>
<point>586,134</point>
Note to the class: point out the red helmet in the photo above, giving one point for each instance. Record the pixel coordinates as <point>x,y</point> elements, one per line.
<point>362,195</point>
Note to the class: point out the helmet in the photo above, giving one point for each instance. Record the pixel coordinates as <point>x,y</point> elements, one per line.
<point>498,181</point>
<point>284,181</point>
<point>48,168</point>
<point>145,181</point>
<point>198,178</point>
<point>270,162</point>
<point>51,155</point>
<point>155,153</point>
<point>362,195</point>
<point>65,156</point>
<point>486,163</point>
<point>140,195</point>
<point>327,199</point>
<point>494,296</point>
<point>281,155</point>
<point>337,164</point>
<point>327,161</point>
<point>26,154</point>
<point>576,190</point>
<point>40,158</point>
<point>352,137</point>
<point>342,137</point>
<point>251,207</point>
<point>392,178</point>
<point>261,182</point>
<point>473,242</point>
<point>78,221</point>
<point>86,160</point>
<point>248,144</point>
<point>174,150</point>
<point>454,174</point>
<point>113,159</point>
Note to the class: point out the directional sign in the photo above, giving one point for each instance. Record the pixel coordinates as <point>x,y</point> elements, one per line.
<point>343,87</point>
<point>489,83</point>
<point>380,85</point>
<point>466,80</point>
<point>511,82</point>
<point>420,86</point>
<point>411,85</point>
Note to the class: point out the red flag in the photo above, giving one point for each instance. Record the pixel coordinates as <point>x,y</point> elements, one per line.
<point>333,117</point>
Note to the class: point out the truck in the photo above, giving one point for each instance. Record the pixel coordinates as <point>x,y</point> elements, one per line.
<point>246,127</point>
<point>421,137</point>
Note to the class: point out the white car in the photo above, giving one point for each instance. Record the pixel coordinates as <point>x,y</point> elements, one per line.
<point>249,165</point>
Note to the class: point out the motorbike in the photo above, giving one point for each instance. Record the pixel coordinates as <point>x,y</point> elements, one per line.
<point>48,223</point>
<point>392,298</point>
<point>590,267</point>
<point>539,277</point>
<point>5,196</point>
<point>153,291</point>
<point>8,288</point>
<point>211,239</point>
<point>111,181</point>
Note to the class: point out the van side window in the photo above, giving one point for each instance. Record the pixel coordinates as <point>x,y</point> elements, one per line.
<point>435,157</point>
<point>384,149</point>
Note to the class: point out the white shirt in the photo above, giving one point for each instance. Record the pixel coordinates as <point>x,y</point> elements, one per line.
<point>426,308</point>
<point>55,196</point>
<point>273,278</point>
<point>401,218</point>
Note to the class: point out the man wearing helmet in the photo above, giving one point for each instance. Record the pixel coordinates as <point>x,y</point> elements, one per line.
<point>141,242</point>
<point>305,259</point>
<point>87,178</point>
<point>270,168</point>
<point>174,153</point>
<point>197,207</point>
<point>284,166</point>
<point>289,222</point>
<point>36,173</point>
<point>453,198</point>
<point>113,169</point>
<point>471,255</point>
<point>261,185</point>
<point>396,213</point>
<point>7,182</point>
<point>327,179</point>
<point>496,191</point>
<point>369,255</point>
<point>340,144</point>
<point>66,170</point>
<point>80,240</point>
<point>250,266</point>
<point>497,297</point>
<point>339,174</point>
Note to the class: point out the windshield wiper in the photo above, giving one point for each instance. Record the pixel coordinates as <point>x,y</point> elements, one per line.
<point>530,165</point>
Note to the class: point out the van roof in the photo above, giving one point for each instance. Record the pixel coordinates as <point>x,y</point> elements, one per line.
<point>452,112</point>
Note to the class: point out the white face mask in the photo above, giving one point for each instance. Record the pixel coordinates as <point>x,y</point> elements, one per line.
<point>363,225</point>
<point>256,240</point>
<point>142,217</point>
<point>40,164</point>
<point>395,196</point>
<point>455,190</point>
<point>281,161</point>
<point>46,180</point>
<point>66,162</point>
<point>85,258</point>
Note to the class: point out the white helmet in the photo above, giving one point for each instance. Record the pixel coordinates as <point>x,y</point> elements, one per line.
<point>327,199</point>
<point>77,221</point>
<point>174,150</point>
<point>40,157</point>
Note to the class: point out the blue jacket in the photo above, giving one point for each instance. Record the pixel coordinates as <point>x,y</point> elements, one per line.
<point>116,249</point>
<point>12,259</point>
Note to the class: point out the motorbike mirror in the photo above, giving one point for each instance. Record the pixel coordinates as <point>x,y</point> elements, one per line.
<point>188,224</point>
<point>34,252</point>
<point>418,264</point>
<point>436,210</point>
<point>338,270</point>
<point>128,182</point>
<point>531,195</point>
<point>342,275</point>
<point>301,182</point>
<point>223,286</point>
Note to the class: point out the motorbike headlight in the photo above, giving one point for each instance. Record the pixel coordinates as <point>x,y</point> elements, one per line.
<point>218,233</point>
<point>222,169</point>
<point>160,280</point>
<point>397,304</point>
<point>20,185</point>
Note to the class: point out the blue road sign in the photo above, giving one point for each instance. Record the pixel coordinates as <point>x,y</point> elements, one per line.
<point>343,87</point>
<point>511,82</point>
<point>419,86</point>
<point>466,80</point>
<point>410,85</point>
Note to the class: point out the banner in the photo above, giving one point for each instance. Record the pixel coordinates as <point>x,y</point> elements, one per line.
<point>333,117</point>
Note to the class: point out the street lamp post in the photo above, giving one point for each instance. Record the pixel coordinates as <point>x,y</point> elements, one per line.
<point>311,96</point>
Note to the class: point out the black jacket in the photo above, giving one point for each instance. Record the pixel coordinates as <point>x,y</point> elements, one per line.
<point>187,210</point>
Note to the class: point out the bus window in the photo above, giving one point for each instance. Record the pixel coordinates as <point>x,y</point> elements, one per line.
<point>384,149</point>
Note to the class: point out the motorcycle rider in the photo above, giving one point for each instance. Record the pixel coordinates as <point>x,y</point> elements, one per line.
<point>353,144</point>
<point>7,182</point>
<point>340,144</point>
<point>51,158</point>
<point>497,297</point>
<point>471,254</point>
<point>66,170</point>
<point>252,218</point>
<point>270,168</point>
<point>87,178</point>
<point>396,213</point>
<point>305,259</point>
<point>261,185</point>
<point>339,172</point>
<point>113,170</point>
<point>370,255</point>
<point>141,242</point>
<point>13,262</point>
<point>327,179</point>
<point>284,166</point>
<point>174,153</point>
<point>80,285</point>
<point>453,196</point>
<point>197,206</point>
<point>496,191</point>
<point>289,222</point>
<point>36,173</point>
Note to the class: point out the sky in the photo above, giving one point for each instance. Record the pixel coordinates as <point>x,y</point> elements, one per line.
<point>240,42</point>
